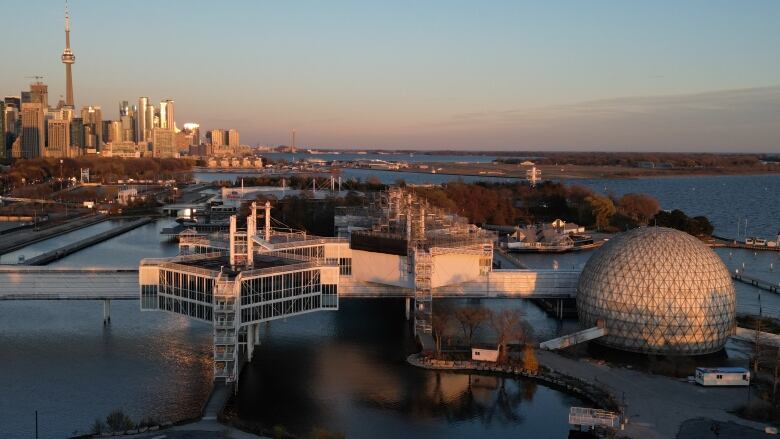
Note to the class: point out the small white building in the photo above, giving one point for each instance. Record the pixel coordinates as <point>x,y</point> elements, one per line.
<point>484,353</point>
<point>125,196</point>
<point>722,376</point>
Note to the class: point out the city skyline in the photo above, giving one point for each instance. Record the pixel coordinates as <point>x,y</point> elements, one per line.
<point>524,77</point>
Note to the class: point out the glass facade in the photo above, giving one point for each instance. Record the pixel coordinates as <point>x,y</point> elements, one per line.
<point>284,294</point>
<point>189,294</point>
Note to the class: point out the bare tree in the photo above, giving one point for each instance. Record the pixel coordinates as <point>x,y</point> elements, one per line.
<point>440,323</point>
<point>509,327</point>
<point>470,319</point>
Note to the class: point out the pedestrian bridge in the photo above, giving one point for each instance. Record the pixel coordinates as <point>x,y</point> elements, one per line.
<point>42,283</point>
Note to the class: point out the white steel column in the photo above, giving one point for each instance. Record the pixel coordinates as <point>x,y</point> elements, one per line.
<point>250,341</point>
<point>257,334</point>
<point>267,228</point>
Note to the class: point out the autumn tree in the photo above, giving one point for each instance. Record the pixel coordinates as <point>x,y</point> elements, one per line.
<point>530,362</point>
<point>603,209</point>
<point>470,319</point>
<point>509,327</point>
<point>639,208</point>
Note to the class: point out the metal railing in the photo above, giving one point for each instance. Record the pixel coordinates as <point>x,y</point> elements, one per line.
<point>225,340</point>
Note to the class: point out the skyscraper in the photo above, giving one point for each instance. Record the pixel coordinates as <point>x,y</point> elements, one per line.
<point>233,139</point>
<point>115,132</point>
<point>68,59</point>
<point>59,138</point>
<point>92,117</point>
<point>33,134</point>
<point>166,114</point>
<point>39,93</point>
<point>217,138</point>
<point>194,130</point>
<point>2,131</point>
<point>164,143</point>
<point>127,116</point>
<point>11,127</point>
<point>77,135</point>
<point>140,120</point>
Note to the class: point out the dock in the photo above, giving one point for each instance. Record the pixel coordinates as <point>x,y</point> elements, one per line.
<point>719,241</point>
<point>61,252</point>
<point>23,238</point>
<point>758,283</point>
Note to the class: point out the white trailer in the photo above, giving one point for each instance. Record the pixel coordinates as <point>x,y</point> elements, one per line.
<point>487,353</point>
<point>722,376</point>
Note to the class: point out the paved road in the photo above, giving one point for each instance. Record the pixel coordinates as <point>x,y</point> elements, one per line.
<point>656,406</point>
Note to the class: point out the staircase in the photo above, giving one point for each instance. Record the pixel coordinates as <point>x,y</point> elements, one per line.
<point>423,295</point>
<point>225,331</point>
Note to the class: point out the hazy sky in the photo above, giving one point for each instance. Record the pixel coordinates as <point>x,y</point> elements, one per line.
<point>576,75</point>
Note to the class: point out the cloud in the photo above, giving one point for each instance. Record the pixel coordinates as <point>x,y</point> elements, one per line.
<point>723,120</point>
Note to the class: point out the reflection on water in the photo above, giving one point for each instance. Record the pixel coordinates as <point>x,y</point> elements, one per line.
<point>125,250</point>
<point>346,372</point>
<point>58,359</point>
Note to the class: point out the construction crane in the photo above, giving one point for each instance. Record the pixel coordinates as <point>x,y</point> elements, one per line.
<point>36,77</point>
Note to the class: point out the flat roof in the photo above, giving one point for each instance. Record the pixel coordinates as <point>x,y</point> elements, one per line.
<point>223,263</point>
<point>722,369</point>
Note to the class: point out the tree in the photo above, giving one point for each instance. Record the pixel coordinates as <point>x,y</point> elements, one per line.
<point>603,209</point>
<point>119,421</point>
<point>639,208</point>
<point>509,327</point>
<point>470,319</point>
<point>440,323</point>
<point>530,363</point>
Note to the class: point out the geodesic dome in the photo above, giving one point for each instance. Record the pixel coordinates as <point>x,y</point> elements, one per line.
<point>658,291</point>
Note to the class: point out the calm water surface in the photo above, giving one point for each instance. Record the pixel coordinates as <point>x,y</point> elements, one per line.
<point>346,372</point>
<point>343,371</point>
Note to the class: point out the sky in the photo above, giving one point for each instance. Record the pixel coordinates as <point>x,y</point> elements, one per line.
<point>696,75</point>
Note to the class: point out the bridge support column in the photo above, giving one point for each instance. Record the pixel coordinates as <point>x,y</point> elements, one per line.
<point>250,342</point>
<point>106,311</point>
<point>408,313</point>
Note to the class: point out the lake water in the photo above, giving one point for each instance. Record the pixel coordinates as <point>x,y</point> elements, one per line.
<point>343,371</point>
<point>725,200</point>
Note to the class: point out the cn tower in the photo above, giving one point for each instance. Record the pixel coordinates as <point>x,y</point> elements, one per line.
<point>68,59</point>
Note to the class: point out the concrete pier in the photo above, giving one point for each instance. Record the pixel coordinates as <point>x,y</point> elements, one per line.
<point>61,252</point>
<point>23,238</point>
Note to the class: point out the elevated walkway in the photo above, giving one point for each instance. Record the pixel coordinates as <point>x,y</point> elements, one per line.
<point>521,284</point>
<point>31,283</point>
<point>38,283</point>
<point>750,336</point>
<point>573,339</point>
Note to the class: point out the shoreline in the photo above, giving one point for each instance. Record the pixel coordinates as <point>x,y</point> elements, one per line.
<point>648,410</point>
<point>545,376</point>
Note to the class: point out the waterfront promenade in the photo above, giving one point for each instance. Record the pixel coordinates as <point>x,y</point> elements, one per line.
<point>656,406</point>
